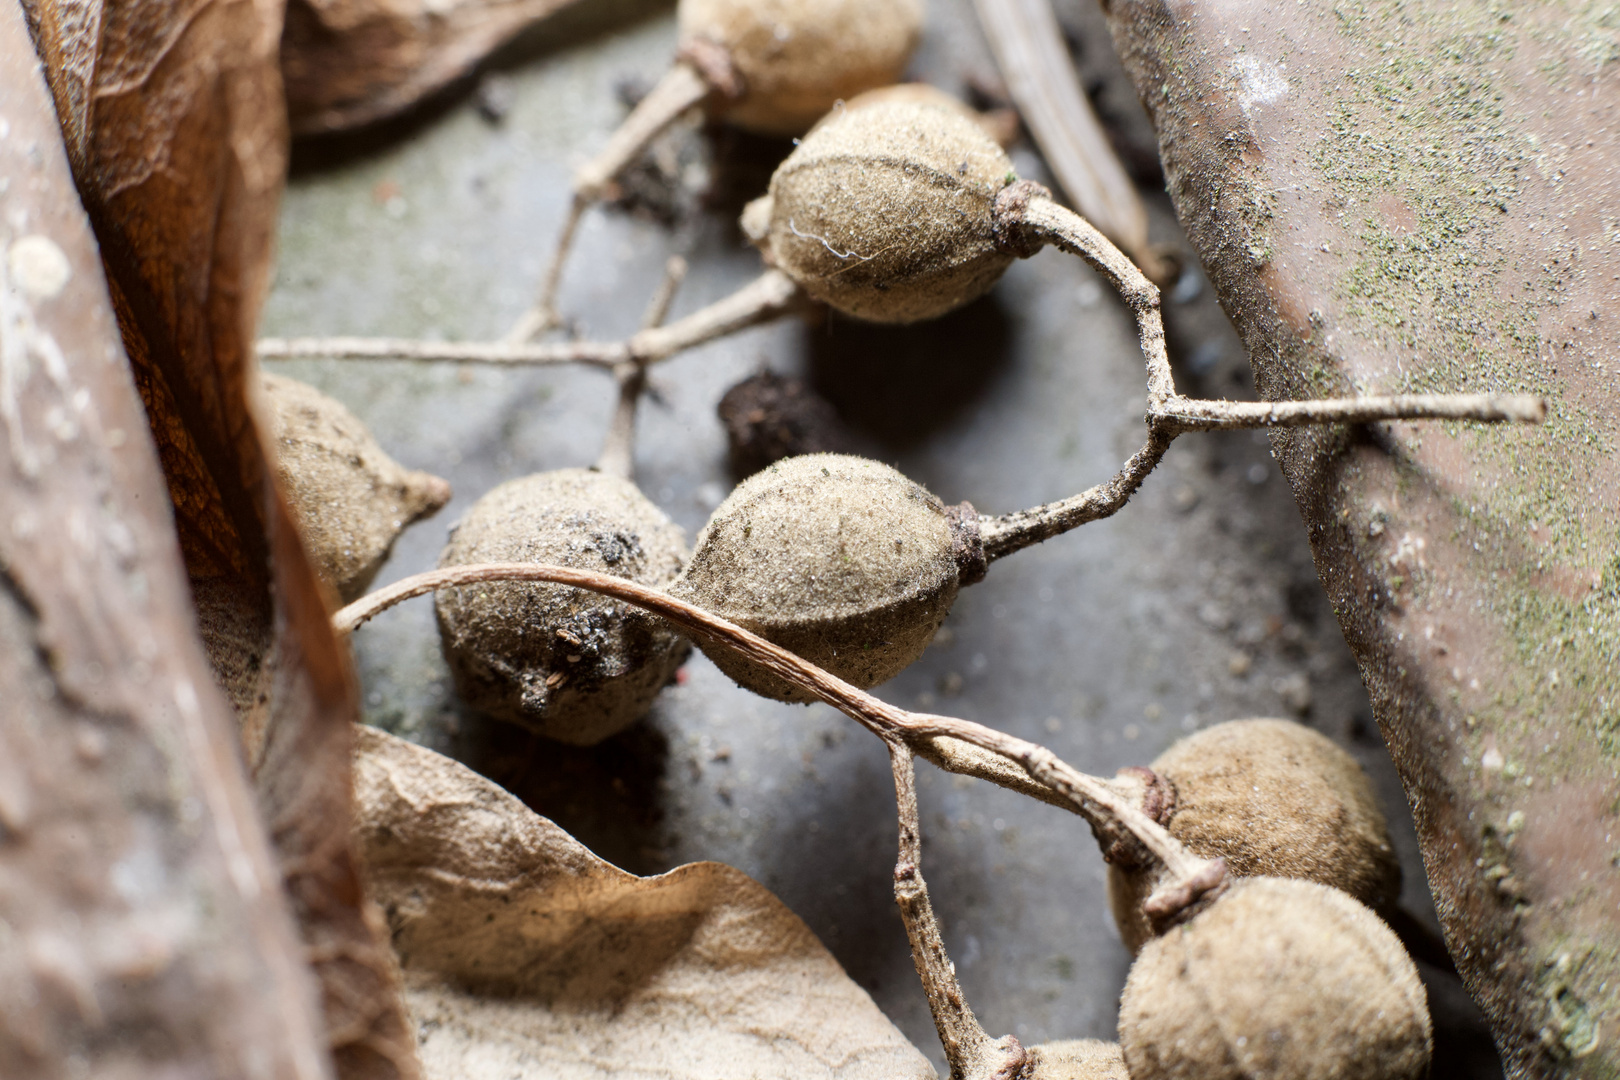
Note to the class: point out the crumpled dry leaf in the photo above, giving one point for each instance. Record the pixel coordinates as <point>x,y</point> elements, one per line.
<point>174,120</point>
<point>527,956</point>
<point>353,62</point>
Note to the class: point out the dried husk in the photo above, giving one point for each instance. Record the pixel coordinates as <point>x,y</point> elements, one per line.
<point>1278,979</point>
<point>797,58</point>
<point>571,665</point>
<point>840,559</point>
<point>526,956</point>
<point>1273,798</point>
<point>884,212</point>
<point>350,498</point>
<point>1077,1059</point>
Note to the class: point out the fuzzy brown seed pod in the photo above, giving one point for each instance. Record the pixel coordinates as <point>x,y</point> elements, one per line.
<point>885,212</point>
<point>840,559</point>
<point>796,58</point>
<point>1277,979</point>
<point>571,665</point>
<point>1077,1059</point>
<point>351,500</point>
<point>1273,798</point>
<point>995,124</point>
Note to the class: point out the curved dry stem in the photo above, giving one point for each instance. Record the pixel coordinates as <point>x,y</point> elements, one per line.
<point>1118,823</point>
<point>542,316</point>
<point>769,296</point>
<point>1193,414</point>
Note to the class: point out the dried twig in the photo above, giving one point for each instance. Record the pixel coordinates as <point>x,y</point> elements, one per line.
<point>618,448</point>
<point>1120,826</point>
<point>767,297</point>
<point>1028,44</point>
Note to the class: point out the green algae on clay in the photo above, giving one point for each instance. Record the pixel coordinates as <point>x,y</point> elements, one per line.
<point>351,500</point>
<point>887,212</point>
<point>1276,979</point>
<point>571,665</point>
<point>840,559</point>
<point>1272,798</point>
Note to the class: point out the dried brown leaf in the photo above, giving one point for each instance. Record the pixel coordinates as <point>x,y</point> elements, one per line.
<point>141,929</point>
<point>176,131</point>
<point>527,956</point>
<point>353,62</point>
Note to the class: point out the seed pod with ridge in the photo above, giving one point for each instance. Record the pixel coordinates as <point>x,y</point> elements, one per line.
<point>840,559</point>
<point>885,212</point>
<point>1272,798</point>
<point>1276,979</point>
<point>351,500</point>
<point>569,664</point>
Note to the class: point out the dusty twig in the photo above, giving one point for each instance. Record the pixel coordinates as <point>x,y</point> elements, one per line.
<point>767,297</point>
<point>971,1053</point>
<point>618,447</point>
<point>1120,826</point>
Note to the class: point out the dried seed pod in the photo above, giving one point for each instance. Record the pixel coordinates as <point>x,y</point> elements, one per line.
<point>351,499</point>
<point>769,417</point>
<point>885,212</point>
<point>571,665</point>
<point>1077,1059</point>
<point>840,559</point>
<point>1001,125</point>
<point>1277,978</point>
<point>1273,798</point>
<point>797,58</point>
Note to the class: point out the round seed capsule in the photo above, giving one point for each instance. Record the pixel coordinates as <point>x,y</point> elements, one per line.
<point>1277,979</point>
<point>1273,798</point>
<point>571,665</point>
<point>885,212</point>
<point>351,500</point>
<point>1077,1059</point>
<point>839,559</point>
<point>797,58</point>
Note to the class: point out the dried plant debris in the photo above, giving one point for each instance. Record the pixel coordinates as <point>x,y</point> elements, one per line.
<point>769,417</point>
<point>350,498</point>
<point>571,665</point>
<point>1276,979</point>
<point>885,212</point>
<point>1271,797</point>
<point>525,956</point>
<point>839,559</point>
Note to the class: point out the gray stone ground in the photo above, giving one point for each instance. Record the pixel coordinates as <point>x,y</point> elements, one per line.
<point>1197,604</point>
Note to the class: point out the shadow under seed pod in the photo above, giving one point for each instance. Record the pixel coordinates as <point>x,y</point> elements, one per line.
<point>840,559</point>
<point>1273,798</point>
<point>350,498</point>
<point>570,665</point>
<point>1276,979</point>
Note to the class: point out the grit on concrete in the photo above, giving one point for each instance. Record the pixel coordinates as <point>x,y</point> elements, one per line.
<point>1197,604</point>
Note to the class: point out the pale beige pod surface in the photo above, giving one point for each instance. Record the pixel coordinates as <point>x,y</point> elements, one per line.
<point>1077,1059</point>
<point>884,212</point>
<point>797,58</point>
<point>1277,979</point>
<point>350,498</point>
<point>571,665</point>
<point>840,559</point>
<point>1272,798</point>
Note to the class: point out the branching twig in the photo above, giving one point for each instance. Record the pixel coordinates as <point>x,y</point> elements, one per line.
<point>767,297</point>
<point>1122,828</point>
<point>618,448</point>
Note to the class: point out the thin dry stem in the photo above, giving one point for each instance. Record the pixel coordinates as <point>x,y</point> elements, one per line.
<point>1118,823</point>
<point>767,297</point>
<point>970,1052</point>
<point>681,88</point>
<point>1036,220</point>
<point>1028,45</point>
<point>618,448</point>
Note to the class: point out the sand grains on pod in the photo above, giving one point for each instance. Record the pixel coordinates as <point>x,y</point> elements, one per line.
<point>571,665</point>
